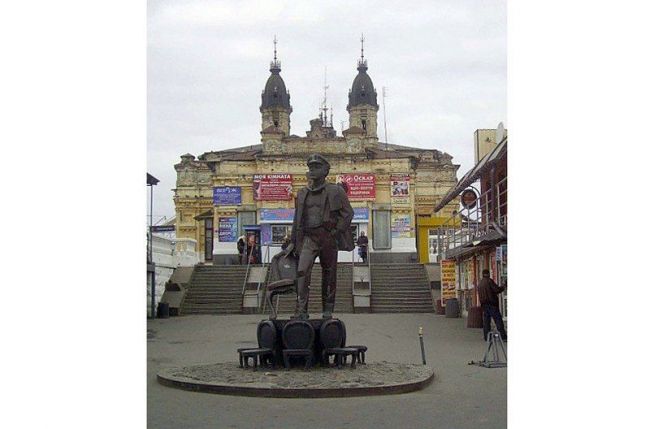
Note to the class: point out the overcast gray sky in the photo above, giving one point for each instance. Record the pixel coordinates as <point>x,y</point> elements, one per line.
<point>443,62</point>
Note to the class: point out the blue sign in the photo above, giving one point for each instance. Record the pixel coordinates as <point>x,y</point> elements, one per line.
<point>226,195</point>
<point>276,215</point>
<point>163,228</point>
<point>267,235</point>
<point>361,214</point>
<point>227,229</point>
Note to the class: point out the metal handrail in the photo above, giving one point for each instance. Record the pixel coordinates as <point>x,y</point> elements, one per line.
<point>468,223</point>
<point>248,267</point>
<point>369,274</point>
<point>259,284</point>
<point>369,271</point>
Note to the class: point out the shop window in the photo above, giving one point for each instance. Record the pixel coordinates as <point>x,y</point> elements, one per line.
<point>278,232</point>
<point>355,232</point>
<point>381,237</point>
<point>245,218</point>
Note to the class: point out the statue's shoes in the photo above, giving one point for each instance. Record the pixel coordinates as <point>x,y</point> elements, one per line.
<point>327,315</point>
<point>300,316</point>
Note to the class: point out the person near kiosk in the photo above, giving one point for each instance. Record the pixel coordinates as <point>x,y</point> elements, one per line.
<point>488,295</point>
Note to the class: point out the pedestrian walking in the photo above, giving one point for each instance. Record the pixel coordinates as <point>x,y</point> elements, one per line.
<point>488,295</point>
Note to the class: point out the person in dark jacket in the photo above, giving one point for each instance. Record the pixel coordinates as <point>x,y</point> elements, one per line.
<point>488,295</point>
<point>241,247</point>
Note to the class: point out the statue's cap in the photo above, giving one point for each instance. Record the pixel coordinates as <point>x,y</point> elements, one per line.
<point>317,158</point>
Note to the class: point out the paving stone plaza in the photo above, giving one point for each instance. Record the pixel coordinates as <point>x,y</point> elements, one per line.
<point>460,395</point>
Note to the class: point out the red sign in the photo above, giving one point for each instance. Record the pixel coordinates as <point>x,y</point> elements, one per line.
<point>272,187</point>
<point>358,186</point>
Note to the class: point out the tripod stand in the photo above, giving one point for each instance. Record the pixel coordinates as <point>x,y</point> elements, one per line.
<point>494,343</point>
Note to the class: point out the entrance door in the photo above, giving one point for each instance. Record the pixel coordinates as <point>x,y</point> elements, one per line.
<point>433,245</point>
<point>209,239</point>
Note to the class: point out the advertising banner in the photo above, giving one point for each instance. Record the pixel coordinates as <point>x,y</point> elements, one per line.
<point>400,225</point>
<point>226,195</point>
<point>399,188</point>
<point>272,187</point>
<point>227,229</point>
<point>361,215</point>
<point>447,279</point>
<point>358,186</point>
<point>276,215</point>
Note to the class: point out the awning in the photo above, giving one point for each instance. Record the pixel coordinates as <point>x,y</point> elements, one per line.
<point>205,215</point>
<point>491,237</point>
<point>488,240</point>
<point>464,250</point>
<point>473,175</point>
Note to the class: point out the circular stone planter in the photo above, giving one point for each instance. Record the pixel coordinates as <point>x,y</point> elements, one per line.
<point>380,378</point>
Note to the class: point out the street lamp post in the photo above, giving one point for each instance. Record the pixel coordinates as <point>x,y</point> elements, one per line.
<point>151,266</point>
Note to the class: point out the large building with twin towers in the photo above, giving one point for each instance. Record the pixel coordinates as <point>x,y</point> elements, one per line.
<point>222,195</point>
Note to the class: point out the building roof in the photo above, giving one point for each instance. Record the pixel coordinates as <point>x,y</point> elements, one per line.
<point>475,173</point>
<point>380,151</point>
<point>363,91</point>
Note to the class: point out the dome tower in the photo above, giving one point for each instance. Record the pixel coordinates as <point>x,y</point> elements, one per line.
<point>362,100</point>
<point>276,108</point>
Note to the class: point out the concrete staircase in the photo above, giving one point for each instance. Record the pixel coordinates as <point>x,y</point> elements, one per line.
<point>344,303</point>
<point>214,289</point>
<point>396,288</point>
<point>400,288</point>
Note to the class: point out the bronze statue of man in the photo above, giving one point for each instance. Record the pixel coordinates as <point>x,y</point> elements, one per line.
<point>321,227</point>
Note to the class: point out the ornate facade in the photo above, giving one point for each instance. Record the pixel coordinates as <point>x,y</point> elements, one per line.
<point>392,188</point>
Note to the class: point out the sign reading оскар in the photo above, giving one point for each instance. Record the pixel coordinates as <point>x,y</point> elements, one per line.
<point>359,186</point>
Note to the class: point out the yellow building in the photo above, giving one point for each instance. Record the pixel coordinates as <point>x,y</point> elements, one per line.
<point>393,189</point>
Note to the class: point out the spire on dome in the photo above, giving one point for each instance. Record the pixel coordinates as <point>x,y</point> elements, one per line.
<point>275,64</point>
<point>362,63</point>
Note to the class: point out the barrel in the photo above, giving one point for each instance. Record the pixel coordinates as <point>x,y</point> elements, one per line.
<point>451,307</point>
<point>163,310</point>
<point>475,317</point>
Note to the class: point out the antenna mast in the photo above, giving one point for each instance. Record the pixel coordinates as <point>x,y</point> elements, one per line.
<point>324,108</point>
